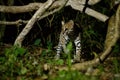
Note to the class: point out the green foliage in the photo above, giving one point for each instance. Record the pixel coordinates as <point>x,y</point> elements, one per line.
<point>116,66</point>
<point>37,42</point>
<point>10,61</point>
<point>16,51</point>
<point>49,45</point>
<point>115,52</point>
<point>92,36</point>
<point>59,62</point>
<point>69,51</point>
<point>18,62</point>
<point>72,75</point>
<point>116,48</point>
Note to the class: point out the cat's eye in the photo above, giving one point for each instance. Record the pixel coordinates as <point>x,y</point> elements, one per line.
<point>66,29</point>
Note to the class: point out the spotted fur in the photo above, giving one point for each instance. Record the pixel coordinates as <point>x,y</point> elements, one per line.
<point>69,33</point>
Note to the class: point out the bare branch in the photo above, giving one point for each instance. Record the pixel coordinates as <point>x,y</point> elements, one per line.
<point>34,6</point>
<point>92,2</point>
<point>20,9</point>
<point>75,4</point>
<point>28,8</point>
<point>96,14</point>
<point>18,22</point>
<point>35,17</point>
<point>31,22</point>
<point>82,2</point>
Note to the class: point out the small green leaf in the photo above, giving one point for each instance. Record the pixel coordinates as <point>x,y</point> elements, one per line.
<point>69,48</point>
<point>21,50</point>
<point>23,70</point>
<point>37,42</point>
<point>60,62</point>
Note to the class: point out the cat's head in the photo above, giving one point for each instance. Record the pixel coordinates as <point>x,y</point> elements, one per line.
<point>68,27</point>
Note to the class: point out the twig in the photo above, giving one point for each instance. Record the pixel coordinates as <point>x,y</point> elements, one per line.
<point>18,22</point>
<point>47,13</point>
<point>20,9</point>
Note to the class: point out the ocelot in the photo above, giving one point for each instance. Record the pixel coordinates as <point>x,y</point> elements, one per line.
<point>69,33</point>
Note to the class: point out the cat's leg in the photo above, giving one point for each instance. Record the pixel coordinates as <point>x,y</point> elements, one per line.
<point>77,55</point>
<point>58,50</point>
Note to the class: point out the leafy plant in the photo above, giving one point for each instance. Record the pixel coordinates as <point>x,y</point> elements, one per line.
<point>11,63</point>
<point>116,66</point>
<point>68,52</point>
<point>37,42</point>
<point>72,75</point>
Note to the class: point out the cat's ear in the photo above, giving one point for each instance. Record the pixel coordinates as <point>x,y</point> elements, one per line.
<point>71,23</point>
<point>63,23</point>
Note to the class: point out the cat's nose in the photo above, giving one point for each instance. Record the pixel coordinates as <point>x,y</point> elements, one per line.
<point>70,30</point>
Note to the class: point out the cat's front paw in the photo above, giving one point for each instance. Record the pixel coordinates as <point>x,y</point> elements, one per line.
<point>57,56</point>
<point>77,58</point>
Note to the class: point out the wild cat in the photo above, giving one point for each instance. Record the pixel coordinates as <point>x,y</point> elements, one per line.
<point>69,33</point>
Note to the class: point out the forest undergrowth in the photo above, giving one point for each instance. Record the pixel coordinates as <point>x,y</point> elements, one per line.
<point>31,62</point>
